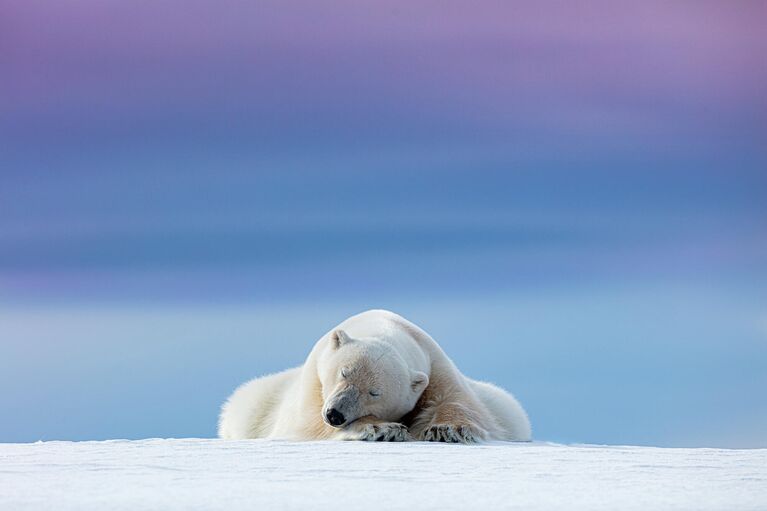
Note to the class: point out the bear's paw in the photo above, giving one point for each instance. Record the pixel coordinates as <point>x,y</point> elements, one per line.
<point>453,433</point>
<point>385,432</point>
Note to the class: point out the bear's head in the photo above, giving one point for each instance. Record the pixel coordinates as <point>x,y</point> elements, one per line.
<point>366,377</point>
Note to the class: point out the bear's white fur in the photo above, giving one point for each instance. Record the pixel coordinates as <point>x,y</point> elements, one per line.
<point>376,376</point>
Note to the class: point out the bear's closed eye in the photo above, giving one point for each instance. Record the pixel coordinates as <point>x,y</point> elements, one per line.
<point>374,393</point>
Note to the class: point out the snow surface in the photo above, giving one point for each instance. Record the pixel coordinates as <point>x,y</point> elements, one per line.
<point>261,474</point>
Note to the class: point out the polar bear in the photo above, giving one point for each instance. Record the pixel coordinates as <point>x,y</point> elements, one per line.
<point>376,376</point>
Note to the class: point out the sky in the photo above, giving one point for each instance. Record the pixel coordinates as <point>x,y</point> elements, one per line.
<point>572,199</point>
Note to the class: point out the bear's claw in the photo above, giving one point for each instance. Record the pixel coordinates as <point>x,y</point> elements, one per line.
<point>385,432</point>
<point>465,434</point>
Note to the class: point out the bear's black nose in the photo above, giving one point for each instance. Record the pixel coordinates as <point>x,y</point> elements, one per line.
<point>335,418</point>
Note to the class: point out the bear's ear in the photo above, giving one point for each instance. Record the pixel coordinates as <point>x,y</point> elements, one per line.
<point>418,381</point>
<point>339,338</point>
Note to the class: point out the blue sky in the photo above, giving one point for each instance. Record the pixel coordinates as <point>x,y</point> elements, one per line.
<point>572,202</point>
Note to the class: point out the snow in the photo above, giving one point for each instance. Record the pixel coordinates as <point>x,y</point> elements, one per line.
<point>260,474</point>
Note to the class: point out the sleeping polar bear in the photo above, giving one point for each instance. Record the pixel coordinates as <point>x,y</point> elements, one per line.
<point>376,376</point>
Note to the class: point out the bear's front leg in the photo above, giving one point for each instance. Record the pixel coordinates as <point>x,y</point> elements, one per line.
<point>372,429</point>
<point>450,422</point>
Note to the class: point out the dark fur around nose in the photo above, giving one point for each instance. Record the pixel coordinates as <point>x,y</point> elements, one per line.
<point>334,417</point>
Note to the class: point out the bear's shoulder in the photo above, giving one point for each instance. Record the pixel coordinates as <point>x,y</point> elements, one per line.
<point>376,314</point>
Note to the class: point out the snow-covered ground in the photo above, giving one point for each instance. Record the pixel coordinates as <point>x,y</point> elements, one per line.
<point>272,475</point>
